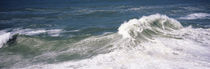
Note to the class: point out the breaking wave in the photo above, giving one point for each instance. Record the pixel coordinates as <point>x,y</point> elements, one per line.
<point>148,26</point>
<point>5,35</point>
<point>151,42</point>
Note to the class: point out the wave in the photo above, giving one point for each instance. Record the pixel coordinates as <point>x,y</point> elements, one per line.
<point>148,26</point>
<point>196,16</point>
<point>5,35</point>
<point>151,42</point>
<point>52,32</point>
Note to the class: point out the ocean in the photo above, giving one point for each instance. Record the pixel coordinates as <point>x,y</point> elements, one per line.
<point>105,34</point>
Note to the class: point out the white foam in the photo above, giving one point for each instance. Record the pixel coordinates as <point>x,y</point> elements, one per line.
<point>54,32</point>
<point>35,32</point>
<point>51,32</point>
<point>134,27</point>
<point>196,16</point>
<point>4,37</point>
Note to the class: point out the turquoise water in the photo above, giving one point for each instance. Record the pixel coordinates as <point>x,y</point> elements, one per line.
<point>93,34</point>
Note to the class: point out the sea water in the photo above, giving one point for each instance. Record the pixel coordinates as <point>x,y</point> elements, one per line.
<point>105,34</point>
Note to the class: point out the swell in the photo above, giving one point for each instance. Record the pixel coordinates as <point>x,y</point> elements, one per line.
<point>7,34</point>
<point>154,41</point>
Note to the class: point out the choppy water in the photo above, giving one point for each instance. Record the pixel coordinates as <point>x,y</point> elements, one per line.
<point>104,34</point>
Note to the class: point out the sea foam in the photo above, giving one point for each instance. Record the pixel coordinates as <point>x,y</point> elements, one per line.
<point>148,25</point>
<point>196,16</point>
<point>4,37</point>
<point>51,32</point>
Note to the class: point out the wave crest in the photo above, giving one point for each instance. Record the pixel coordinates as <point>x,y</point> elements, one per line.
<point>4,38</point>
<point>147,26</point>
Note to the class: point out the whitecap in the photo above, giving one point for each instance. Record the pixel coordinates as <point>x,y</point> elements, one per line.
<point>196,16</point>
<point>4,37</point>
<point>50,32</point>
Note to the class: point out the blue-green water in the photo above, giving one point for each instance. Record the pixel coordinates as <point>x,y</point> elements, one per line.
<point>43,34</point>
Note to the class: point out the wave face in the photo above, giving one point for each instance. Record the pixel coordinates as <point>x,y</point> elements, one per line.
<point>196,16</point>
<point>168,45</point>
<point>147,26</point>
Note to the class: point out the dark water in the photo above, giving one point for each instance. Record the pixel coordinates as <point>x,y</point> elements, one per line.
<point>63,28</point>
